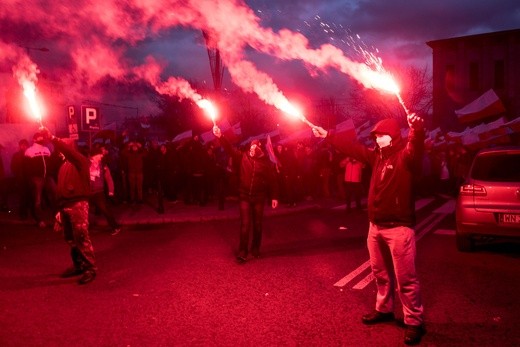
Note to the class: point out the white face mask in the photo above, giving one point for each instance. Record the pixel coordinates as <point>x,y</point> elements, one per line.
<point>383,140</point>
<point>254,150</point>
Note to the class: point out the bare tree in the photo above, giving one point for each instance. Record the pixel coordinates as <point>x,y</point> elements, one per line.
<point>416,93</point>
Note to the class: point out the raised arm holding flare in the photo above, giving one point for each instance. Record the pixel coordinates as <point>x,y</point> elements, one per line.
<point>256,181</point>
<point>391,214</point>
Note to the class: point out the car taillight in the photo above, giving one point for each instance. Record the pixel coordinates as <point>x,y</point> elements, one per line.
<point>472,189</point>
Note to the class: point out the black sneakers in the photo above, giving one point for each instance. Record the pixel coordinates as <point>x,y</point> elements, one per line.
<point>413,334</point>
<point>115,231</point>
<point>377,317</point>
<point>241,259</point>
<point>71,272</point>
<point>88,276</point>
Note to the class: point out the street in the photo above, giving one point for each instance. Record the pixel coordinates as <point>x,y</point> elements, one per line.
<point>178,284</point>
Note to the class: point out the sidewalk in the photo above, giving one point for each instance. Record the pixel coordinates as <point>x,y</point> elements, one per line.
<point>179,212</point>
<point>146,213</point>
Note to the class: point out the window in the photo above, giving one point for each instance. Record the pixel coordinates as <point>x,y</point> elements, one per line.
<point>499,82</point>
<point>499,167</point>
<point>449,77</point>
<point>473,76</point>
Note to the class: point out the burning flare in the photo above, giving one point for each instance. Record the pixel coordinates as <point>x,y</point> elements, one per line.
<point>383,81</point>
<point>294,111</point>
<point>210,109</point>
<point>29,91</point>
<point>26,72</point>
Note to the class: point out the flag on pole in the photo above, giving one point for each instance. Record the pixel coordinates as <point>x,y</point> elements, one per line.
<point>486,105</point>
<point>301,135</point>
<point>232,133</point>
<point>207,136</point>
<point>270,151</point>
<point>183,136</point>
<point>346,128</point>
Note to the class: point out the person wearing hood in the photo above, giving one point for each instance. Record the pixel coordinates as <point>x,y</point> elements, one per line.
<point>256,179</point>
<point>391,213</point>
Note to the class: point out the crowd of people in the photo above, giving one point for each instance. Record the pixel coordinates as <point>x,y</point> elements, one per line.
<point>194,173</point>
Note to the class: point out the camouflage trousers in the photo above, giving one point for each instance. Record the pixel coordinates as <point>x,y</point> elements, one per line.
<point>74,219</point>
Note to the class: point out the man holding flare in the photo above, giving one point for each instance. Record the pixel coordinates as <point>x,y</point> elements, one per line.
<point>257,182</point>
<point>391,214</point>
<point>72,192</point>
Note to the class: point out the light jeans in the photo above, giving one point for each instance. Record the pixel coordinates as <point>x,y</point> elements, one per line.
<point>392,258</point>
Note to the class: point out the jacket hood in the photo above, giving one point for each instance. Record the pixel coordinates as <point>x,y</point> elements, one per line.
<point>388,126</point>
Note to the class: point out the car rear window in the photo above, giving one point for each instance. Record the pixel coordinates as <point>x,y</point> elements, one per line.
<point>497,167</point>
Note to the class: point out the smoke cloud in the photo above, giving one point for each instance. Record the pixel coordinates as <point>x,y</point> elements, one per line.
<point>98,35</point>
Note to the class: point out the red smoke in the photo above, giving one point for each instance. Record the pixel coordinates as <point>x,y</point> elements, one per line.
<point>99,33</point>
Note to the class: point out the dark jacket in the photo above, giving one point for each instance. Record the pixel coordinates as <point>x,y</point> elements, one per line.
<point>73,177</point>
<point>257,174</point>
<point>135,161</point>
<point>19,166</point>
<point>391,200</point>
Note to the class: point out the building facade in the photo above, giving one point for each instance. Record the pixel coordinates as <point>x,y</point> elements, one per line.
<point>464,68</point>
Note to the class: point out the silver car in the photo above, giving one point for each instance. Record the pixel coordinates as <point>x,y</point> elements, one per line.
<point>488,204</point>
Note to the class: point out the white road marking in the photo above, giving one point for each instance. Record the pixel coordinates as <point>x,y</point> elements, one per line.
<point>419,204</point>
<point>438,218</point>
<point>343,282</point>
<point>447,208</point>
<point>449,232</point>
<point>364,282</point>
<point>340,207</point>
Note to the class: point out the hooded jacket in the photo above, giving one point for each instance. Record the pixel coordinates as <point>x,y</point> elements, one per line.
<point>391,200</point>
<point>257,174</point>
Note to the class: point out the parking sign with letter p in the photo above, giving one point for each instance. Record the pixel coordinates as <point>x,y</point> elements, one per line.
<point>90,118</point>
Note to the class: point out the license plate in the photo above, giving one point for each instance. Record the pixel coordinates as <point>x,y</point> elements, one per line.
<point>507,218</point>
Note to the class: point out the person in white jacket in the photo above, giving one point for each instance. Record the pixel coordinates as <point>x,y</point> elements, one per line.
<point>40,180</point>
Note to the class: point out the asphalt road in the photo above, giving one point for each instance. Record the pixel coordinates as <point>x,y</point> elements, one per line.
<point>178,285</point>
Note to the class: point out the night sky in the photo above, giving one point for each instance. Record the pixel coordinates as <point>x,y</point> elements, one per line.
<point>271,48</point>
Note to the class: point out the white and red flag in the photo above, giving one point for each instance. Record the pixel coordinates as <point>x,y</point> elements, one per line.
<point>184,136</point>
<point>486,105</point>
<point>347,128</point>
<point>233,133</point>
